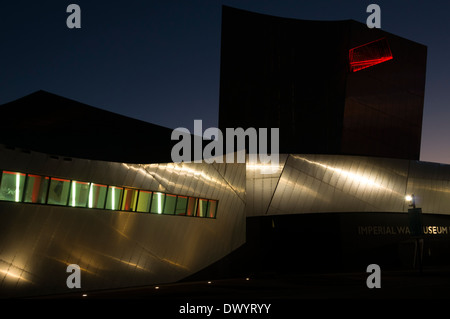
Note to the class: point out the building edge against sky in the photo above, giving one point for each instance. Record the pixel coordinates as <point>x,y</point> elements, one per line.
<point>320,208</point>
<point>300,76</point>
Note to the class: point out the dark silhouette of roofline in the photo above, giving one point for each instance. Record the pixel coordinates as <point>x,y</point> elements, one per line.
<point>46,122</point>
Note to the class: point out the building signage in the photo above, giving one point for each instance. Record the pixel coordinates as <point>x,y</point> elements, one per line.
<point>402,230</point>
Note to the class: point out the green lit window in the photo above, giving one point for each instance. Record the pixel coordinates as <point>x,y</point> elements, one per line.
<point>58,193</point>
<point>169,206</point>
<point>192,206</point>
<point>129,199</point>
<point>181,205</point>
<point>97,196</point>
<point>17,187</point>
<point>11,187</point>
<point>212,209</point>
<point>79,194</point>
<point>145,198</point>
<point>114,197</point>
<point>157,203</point>
<point>202,208</point>
<point>36,189</point>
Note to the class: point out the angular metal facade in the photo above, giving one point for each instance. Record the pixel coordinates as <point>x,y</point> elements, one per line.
<point>341,184</point>
<point>124,249</point>
<point>114,248</point>
<point>275,72</point>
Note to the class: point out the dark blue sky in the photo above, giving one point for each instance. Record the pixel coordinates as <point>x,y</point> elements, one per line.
<point>158,61</point>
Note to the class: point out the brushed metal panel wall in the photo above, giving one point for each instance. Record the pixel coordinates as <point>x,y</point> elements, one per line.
<point>430,184</point>
<point>334,183</point>
<point>261,184</point>
<point>113,248</point>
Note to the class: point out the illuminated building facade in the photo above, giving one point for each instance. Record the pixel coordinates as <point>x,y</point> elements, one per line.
<point>111,202</point>
<point>88,203</point>
<point>123,224</point>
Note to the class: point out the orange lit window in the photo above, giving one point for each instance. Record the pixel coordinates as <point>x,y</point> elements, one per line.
<point>192,206</point>
<point>129,199</point>
<point>212,209</point>
<point>36,189</point>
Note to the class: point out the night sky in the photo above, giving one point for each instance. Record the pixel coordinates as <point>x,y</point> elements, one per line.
<point>159,61</point>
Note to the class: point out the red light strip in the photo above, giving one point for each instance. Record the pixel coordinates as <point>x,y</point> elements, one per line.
<point>37,176</point>
<point>13,173</point>
<point>60,179</point>
<point>84,183</point>
<point>369,54</point>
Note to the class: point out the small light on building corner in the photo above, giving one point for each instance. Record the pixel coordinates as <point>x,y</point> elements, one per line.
<point>411,199</point>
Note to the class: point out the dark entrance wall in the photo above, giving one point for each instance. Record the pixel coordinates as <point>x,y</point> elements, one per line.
<point>332,242</point>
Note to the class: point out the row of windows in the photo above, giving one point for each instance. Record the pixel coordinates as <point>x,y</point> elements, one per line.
<point>29,188</point>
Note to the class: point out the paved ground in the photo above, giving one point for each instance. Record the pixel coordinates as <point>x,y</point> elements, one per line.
<point>402,293</point>
<point>430,284</point>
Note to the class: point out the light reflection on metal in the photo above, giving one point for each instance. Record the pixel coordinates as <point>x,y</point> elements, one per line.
<point>190,172</point>
<point>358,178</point>
<point>129,263</point>
<point>17,187</point>
<point>198,174</point>
<point>153,255</point>
<point>113,200</point>
<point>73,193</point>
<point>329,183</point>
<point>159,203</point>
<point>99,253</point>
<point>13,275</point>
<point>264,168</point>
<point>69,263</point>
<point>353,176</point>
<point>91,195</point>
<point>174,263</point>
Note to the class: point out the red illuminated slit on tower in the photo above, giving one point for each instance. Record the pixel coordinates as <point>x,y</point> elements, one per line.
<point>369,54</point>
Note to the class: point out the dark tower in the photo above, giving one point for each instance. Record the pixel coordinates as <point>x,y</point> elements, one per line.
<point>332,87</point>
